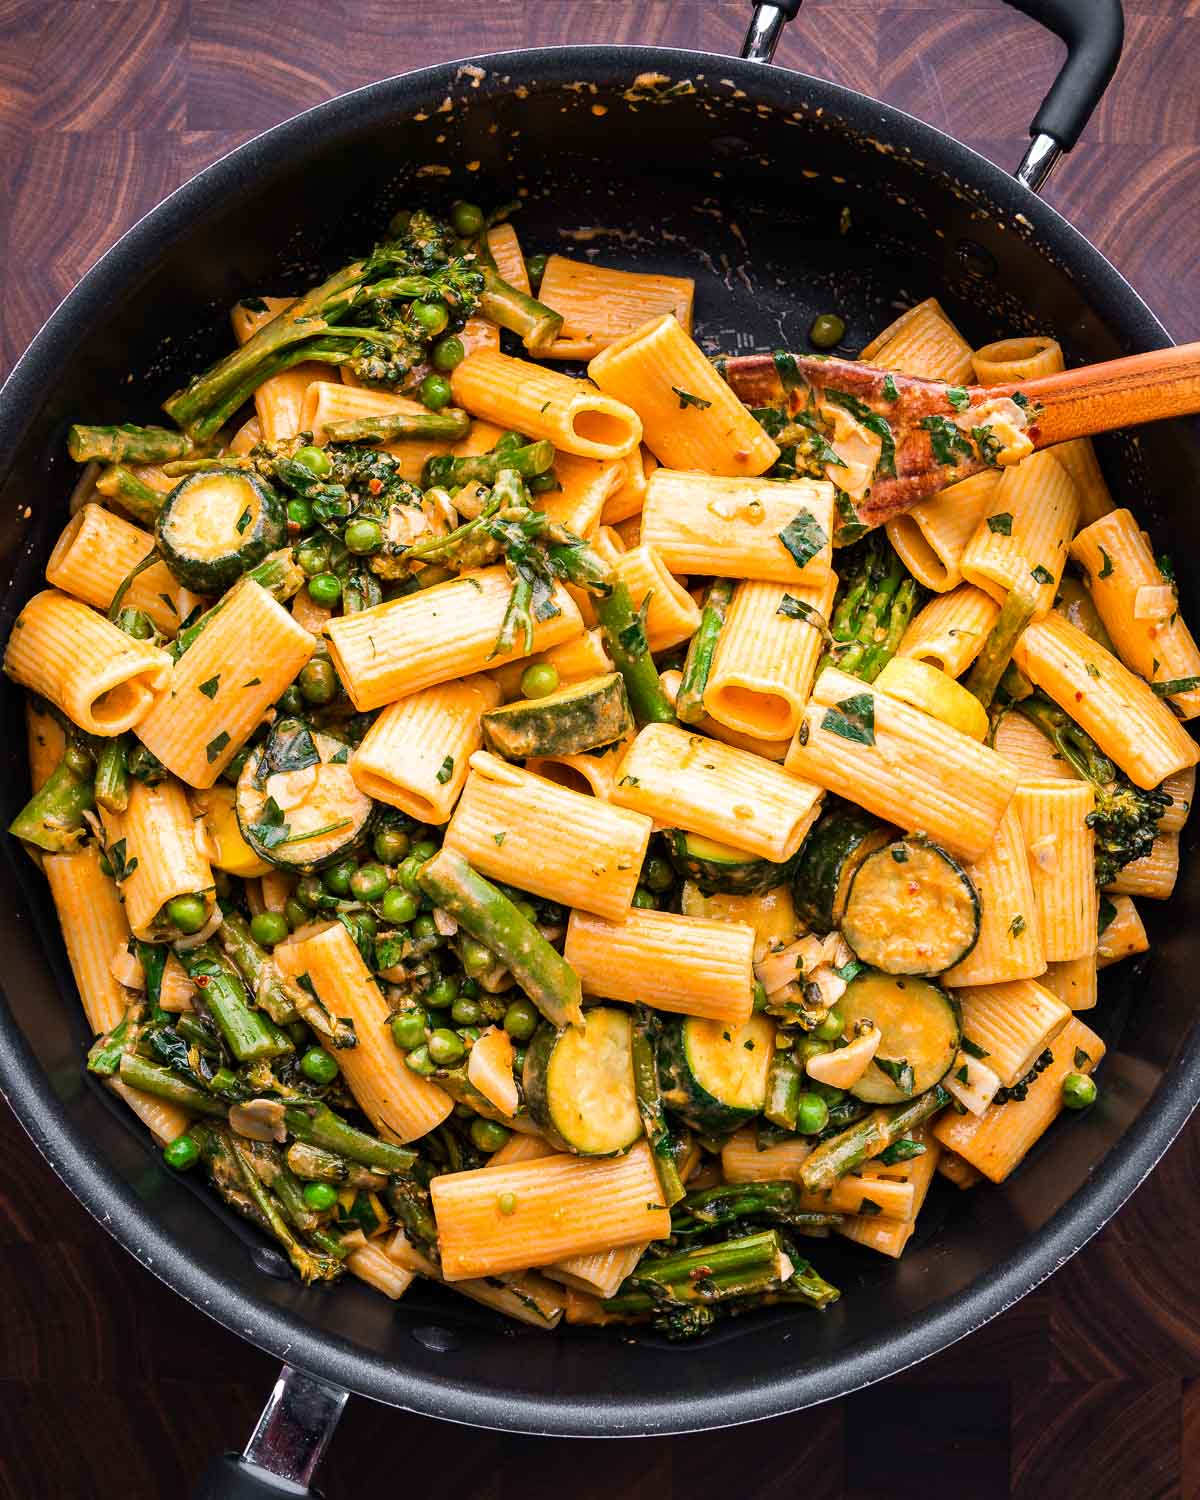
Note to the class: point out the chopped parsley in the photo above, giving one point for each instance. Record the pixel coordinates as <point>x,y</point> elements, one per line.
<point>121,867</point>
<point>798,609</point>
<point>899,1070</point>
<point>446,770</point>
<point>947,442</point>
<point>209,688</point>
<point>787,370</point>
<point>1107,913</point>
<point>852,719</point>
<point>687,399</point>
<point>1081,1058</point>
<point>957,397</point>
<point>243,521</point>
<point>340,757</point>
<point>973,1049</point>
<point>216,745</point>
<point>498,838</point>
<point>270,830</point>
<point>1091,669</point>
<point>1174,685</point>
<point>1107,566</point>
<point>890,393</point>
<point>1017,926</point>
<point>898,1151</point>
<point>849,527</point>
<point>989,446</point>
<point>1041,575</point>
<point>1001,523</point>
<point>804,537</point>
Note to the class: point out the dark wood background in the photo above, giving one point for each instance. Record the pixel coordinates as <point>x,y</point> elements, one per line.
<point>111,1386</point>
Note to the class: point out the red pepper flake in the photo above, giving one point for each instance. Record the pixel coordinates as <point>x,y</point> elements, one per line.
<point>201,981</point>
<point>1078,697</point>
<point>374,486</point>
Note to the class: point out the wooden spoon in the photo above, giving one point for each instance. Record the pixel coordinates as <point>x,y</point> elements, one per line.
<point>941,434</point>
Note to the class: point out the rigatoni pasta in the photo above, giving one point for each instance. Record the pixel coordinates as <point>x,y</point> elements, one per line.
<point>1021,540</point>
<point>98,551</point>
<point>932,537</point>
<point>600,305</point>
<point>950,631</point>
<point>1060,845</point>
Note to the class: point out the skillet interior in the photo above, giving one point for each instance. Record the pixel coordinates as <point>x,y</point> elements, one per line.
<point>784,197</point>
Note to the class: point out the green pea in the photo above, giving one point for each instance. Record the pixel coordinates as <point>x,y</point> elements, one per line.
<point>809,1046</point>
<point>269,928</point>
<point>315,460</point>
<point>364,537</point>
<point>424,928</point>
<point>319,1066</point>
<point>535,269</point>
<point>398,907</point>
<point>521,1020</point>
<point>469,988</point>
<point>309,892</point>
<point>408,1029</point>
<point>313,558</point>
<point>79,762</point>
<point>183,1153</point>
<point>431,317</point>
<point>325,589</point>
<point>391,845</point>
<point>827,330</point>
<point>290,701</point>
<point>831,1027</point>
<point>466,1012</point>
<point>507,1203</point>
<point>448,354</point>
<point>477,958</point>
<point>296,912</point>
<point>424,849</point>
<point>488,1135</point>
<point>445,1047</point>
<point>319,1196</point>
<point>419,1060</point>
<point>336,878</point>
<point>369,883</point>
<point>435,392</point>
<point>644,899</point>
<point>467,219</point>
<point>407,873</point>
<point>543,484</point>
<point>812,1114</point>
<point>469,1033</point>
<point>445,992</point>
<point>318,682</point>
<point>657,874</point>
<point>187,913</point>
<point>539,680</point>
<point>300,513</point>
<point>366,924</point>
<point>1078,1091</point>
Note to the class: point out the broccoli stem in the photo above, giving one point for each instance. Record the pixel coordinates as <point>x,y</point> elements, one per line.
<point>484,468</point>
<point>689,701</point>
<point>992,662</point>
<point>112,775</point>
<point>1072,742</point>
<point>650,1106</point>
<point>126,444</point>
<point>153,1078</point>
<point>625,637</point>
<point>490,917</point>
<point>867,1138</point>
<point>141,500</point>
<point>315,1124</point>
<point>259,972</point>
<point>746,1266</point>
<point>450,424</point>
<point>784,1081</point>
<point>247,1032</point>
<point>537,324</point>
<point>315,1165</point>
<point>53,819</point>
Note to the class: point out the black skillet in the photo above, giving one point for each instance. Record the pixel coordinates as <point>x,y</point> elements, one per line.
<point>784,196</point>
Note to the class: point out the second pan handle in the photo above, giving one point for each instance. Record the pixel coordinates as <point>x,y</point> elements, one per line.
<point>1094,31</point>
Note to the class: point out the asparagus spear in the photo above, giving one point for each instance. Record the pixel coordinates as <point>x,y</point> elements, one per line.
<point>315,1124</point>
<point>537,324</point>
<point>53,819</point>
<point>625,637</point>
<point>315,1165</point>
<point>876,604</point>
<point>141,500</point>
<point>867,1138</point>
<point>449,424</point>
<point>140,1073</point>
<point>490,917</point>
<point>279,574</point>
<point>112,775</point>
<point>784,1085</point>
<point>484,468</point>
<point>270,989</point>
<point>650,1106</point>
<point>689,702</point>
<point>746,1266</point>
<point>993,661</point>
<point>126,444</point>
<point>728,1202</point>
<point>248,1034</point>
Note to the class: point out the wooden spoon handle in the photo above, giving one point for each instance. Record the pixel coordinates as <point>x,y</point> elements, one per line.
<point>1120,393</point>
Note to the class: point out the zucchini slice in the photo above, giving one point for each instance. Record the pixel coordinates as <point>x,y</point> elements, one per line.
<point>828,860</point>
<point>911,910</point>
<point>579,1087</point>
<point>576,718</point>
<point>919,1034</point>
<point>714,1075</point>
<point>719,868</point>
<point>218,524</point>
<point>297,804</point>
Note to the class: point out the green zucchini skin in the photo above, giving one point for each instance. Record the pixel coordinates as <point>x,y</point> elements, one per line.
<point>579,717</point>
<point>718,869</point>
<point>827,860</point>
<point>686,1095</point>
<point>563,1065</point>
<point>290,747</point>
<point>911,909</point>
<point>256,529</point>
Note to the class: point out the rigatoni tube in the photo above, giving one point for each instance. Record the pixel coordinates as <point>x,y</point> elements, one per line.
<point>1012,1024</point>
<point>98,550</point>
<point>433,636</point>
<point>932,537</point>
<point>950,631</point>
<point>922,341</point>
<point>1061,849</point>
<point>695,966</point>
<point>1009,945</point>
<point>533,1213</point>
<point>1154,875</point>
<point>1021,540</point>
<point>671,614</point>
<point>415,755</point>
<point>152,847</point>
<point>559,844</point>
<point>94,930</point>
<point>600,304</point>
<point>101,678</point>
<point>684,780</point>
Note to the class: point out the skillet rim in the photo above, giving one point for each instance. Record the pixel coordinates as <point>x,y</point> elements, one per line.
<point>113,1203</point>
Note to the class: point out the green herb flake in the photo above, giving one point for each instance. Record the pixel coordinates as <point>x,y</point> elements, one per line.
<point>1017,926</point>
<point>1020,399</point>
<point>1174,685</point>
<point>121,867</point>
<point>498,838</point>
<point>629,781</point>
<point>339,757</point>
<point>254,682</point>
<point>686,399</point>
<point>1001,523</point>
<point>900,854</point>
<point>900,1071</point>
<point>849,527</point>
<point>989,446</point>
<point>973,1049</point>
<point>1167,568</point>
<point>253,304</point>
<point>948,444</point>
<point>890,393</point>
<point>1081,1058</point>
<point>1091,669</point>
<point>270,830</point>
<point>798,609</point>
<point>852,719</point>
<point>964,1073</point>
<point>869,1208</point>
<point>446,770</point>
<point>243,521</point>
<point>1041,575</point>
<point>804,537</point>
<point>1107,914</point>
<point>214,747</point>
<point>900,1151</point>
<point>957,397</point>
<point>787,369</point>
<point>209,688</point>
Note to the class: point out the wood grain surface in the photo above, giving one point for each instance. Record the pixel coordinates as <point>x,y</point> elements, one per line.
<point>112,1386</point>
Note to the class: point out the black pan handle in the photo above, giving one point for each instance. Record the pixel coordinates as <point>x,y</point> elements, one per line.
<point>1093,30</point>
<point>286,1446</point>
